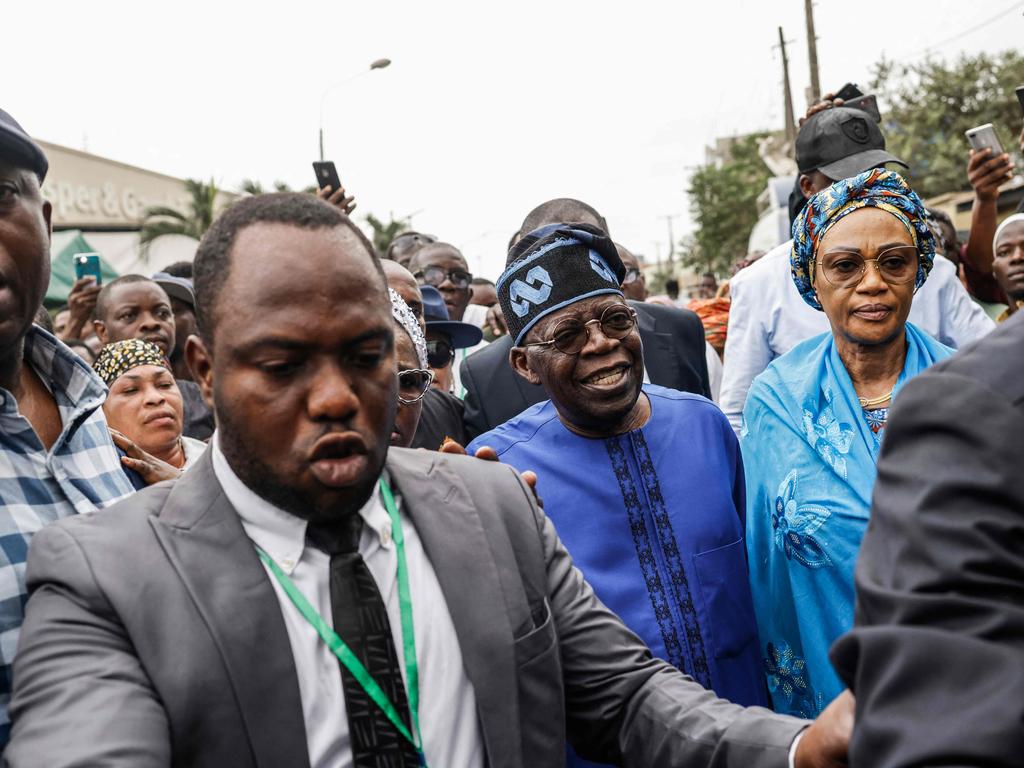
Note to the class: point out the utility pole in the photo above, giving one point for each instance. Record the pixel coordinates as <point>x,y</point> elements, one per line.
<point>788,107</point>
<point>812,51</point>
<point>671,241</point>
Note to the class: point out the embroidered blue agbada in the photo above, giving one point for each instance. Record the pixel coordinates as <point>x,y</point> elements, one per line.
<point>654,520</point>
<point>810,454</point>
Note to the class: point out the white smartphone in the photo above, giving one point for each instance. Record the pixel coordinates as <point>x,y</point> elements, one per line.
<point>984,136</point>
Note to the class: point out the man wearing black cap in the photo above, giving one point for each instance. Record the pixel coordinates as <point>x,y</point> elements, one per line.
<point>57,456</point>
<point>183,305</point>
<point>767,317</point>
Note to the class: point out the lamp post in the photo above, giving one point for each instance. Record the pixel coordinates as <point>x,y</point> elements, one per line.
<point>378,64</point>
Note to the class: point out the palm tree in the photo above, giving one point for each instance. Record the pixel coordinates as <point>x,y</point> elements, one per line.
<point>162,220</point>
<point>385,232</point>
<point>253,187</point>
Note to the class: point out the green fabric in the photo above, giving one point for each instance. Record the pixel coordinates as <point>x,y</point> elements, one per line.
<point>63,248</point>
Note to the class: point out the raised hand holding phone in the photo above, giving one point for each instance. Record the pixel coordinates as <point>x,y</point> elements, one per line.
<point>329,186</point>
<point>989,167</point>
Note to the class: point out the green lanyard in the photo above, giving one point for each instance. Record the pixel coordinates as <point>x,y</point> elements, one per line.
<point>344,653</point>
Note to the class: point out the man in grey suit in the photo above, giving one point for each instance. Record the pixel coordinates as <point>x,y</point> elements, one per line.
<point>184,627</point>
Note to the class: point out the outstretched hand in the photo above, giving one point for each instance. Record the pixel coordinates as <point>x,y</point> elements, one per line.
<point>987,172</point>
<point>81,305</point>
<point>150,468</point>
<point>825,743</point>
<point>489,454</point>
<point>337,197</point>
<point>828,101</point>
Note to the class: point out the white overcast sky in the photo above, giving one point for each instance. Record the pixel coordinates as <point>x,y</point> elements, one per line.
<point>487,109</point>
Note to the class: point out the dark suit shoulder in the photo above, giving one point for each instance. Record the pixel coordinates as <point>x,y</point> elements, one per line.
<point>996,362</point>
<point>494,353</point>
<point>673,315</point>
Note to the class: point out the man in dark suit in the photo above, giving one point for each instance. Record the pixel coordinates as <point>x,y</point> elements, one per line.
<point>255,612</point>
<point>936,657</point>
<point>673,340</point>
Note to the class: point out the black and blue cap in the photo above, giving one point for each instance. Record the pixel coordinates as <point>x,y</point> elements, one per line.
<point>16,145</point>
<point>553,267</point>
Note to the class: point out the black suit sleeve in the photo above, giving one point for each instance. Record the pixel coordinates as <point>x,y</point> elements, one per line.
<point>696,345</point>
<point>936,659</point>
<point>474,418</point>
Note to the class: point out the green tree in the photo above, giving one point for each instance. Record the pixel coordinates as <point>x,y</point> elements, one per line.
<point>162,220</point>
<point>927,106</point>
<point>723,201</point>
<point>253,187</point>
<point>385,232</point>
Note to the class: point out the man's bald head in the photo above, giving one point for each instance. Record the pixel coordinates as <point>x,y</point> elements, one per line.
<point>404,284</point>
<point>561,210</point>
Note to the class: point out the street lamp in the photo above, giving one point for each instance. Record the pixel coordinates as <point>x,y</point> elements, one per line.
<point>377,64</point>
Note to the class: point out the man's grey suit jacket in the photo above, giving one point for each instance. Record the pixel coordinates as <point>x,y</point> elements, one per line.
<point>153,637</point>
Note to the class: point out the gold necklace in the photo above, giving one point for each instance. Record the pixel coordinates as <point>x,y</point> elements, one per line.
<point>866,403</point>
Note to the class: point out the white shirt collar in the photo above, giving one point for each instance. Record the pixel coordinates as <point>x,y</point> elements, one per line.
<point>281,534</point>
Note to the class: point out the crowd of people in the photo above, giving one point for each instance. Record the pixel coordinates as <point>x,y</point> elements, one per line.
<point>361,509</point>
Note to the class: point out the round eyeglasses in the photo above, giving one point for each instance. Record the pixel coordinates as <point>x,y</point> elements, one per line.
<point>570,336</point>
<point>437,276</point>
<point>845,269</point>
<point>413,385</point>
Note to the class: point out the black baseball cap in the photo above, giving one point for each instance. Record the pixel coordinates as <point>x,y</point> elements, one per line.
<point>16,144</point>
<point>176,287</point>
<point>841,142</point>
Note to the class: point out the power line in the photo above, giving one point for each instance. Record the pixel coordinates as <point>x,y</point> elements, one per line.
<point>971,30</point>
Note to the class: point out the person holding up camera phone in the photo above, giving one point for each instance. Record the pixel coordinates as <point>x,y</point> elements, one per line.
<point>988,168</point>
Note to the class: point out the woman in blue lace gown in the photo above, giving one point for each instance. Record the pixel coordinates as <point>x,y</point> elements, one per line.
<point>814,419</point>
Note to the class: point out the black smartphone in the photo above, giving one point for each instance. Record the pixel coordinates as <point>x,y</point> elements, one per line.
<point>326,175</point>
<point>1020,96</point>
<point>849,91</point>
<point>867,104</point>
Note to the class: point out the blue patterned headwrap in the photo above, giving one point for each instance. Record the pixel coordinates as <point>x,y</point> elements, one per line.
<point>877,188</point>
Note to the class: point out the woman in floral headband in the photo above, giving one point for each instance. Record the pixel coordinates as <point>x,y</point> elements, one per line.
<point>144,411</point>
<point>813,423</point>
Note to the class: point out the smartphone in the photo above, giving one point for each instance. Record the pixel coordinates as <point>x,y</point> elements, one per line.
<point>88,265</point>
<point>867,104</point>
<point>849,91</point>
<point>984,136</point>
<point>1020,97</point>
<point>327,175</point>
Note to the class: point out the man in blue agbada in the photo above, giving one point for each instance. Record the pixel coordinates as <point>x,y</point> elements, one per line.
<point>814,419</point>
<point>644,484</point>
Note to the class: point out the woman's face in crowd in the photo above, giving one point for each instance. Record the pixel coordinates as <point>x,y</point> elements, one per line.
<point>873,311</point>
<point>408,414</point>
<point>145,405</point>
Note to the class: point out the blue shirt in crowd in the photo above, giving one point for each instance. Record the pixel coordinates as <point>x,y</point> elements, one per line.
<point>654,518</point>
<point>80,473</point>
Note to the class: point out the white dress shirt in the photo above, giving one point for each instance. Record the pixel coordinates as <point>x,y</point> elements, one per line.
<point>448,718</point>
<point>714,371</point>
<point>767,318</point>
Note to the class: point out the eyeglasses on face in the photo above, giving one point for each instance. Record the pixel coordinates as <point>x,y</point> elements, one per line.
<point>437,276</point>
<point>570,336</point>
<point>439,353</point>
<point>632,275</point>
<point>413,384</point>
<point>845,269</point>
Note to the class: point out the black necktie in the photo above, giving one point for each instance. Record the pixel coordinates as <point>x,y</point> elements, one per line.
<point>361,620</point>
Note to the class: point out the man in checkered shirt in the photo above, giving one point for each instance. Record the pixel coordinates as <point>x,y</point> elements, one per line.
<point>56,456</point>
